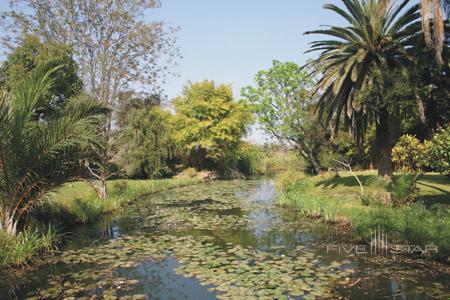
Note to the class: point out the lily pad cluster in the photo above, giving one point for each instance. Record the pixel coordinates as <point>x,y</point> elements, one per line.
<point>231,270</point>
<point>217,236</point>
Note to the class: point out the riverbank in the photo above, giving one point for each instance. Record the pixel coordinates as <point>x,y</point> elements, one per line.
<point>75,203</point>
<point>219,240</point>
<point>338,200</point>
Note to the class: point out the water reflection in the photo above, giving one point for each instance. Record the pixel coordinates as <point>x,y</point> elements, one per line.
<point>269,228</point>
<point>159,281</point>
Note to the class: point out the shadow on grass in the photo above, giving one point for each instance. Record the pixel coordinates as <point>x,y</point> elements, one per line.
<point>348,181</point>
<point>434,199</point>
<point>435,178</point>
<point>443,198</point>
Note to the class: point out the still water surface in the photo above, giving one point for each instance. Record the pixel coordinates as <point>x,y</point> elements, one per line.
<point>204,241</point>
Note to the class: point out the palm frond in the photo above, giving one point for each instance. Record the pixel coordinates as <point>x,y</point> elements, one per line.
<point>37,156</point>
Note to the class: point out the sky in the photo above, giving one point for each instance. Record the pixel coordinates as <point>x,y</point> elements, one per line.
<point>228,41</point>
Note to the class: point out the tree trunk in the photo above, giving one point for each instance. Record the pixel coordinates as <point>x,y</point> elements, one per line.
<point>314,164</point>
<point>8,224</point>
<point>383,143</point>
<point>102,192</point>
<point>309,157</point>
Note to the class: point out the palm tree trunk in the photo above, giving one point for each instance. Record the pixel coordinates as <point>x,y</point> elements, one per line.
<point>383,144</point>
<point>7,223</point>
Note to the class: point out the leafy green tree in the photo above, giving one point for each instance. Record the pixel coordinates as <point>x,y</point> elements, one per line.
<point>129,101</point>
<point>430,83</point>
<point>375,40</point>
<point>32,53</point>
<point>115,44</point>
<point>147,147</point>
<point>283,103</point>
<point>440,151</point>
<point>37,157</point>
<point>209,123</point>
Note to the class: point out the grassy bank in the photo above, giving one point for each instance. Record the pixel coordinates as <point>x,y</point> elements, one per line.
<point>74,203</point>
<point>425,222</point>
<point>77,203</point>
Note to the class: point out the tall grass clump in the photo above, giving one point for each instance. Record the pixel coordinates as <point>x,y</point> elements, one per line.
<point>19,249</point>
<point>297,194</point>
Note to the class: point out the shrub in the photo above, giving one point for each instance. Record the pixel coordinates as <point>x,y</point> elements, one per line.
<point>410,155</point>
<point>440,151</point>
<point>403,188</point>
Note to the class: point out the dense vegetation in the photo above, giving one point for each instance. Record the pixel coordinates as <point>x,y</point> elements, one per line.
<point>377,96</point>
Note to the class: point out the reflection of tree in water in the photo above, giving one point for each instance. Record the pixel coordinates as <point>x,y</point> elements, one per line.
<point>158,280</point>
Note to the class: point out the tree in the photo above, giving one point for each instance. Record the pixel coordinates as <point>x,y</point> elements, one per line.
<point>112,42</point>
<point>283,104</point>
<point>375,40</point>
<point>440,151</point>
<point>432,23</point>
<point>36,157</point>
<point>32,53</point>
<point>129,101</point>
<point>209,123</point>
<point>146,143</point>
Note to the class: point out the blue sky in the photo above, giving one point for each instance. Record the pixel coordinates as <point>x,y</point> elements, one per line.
<point>229,41</point>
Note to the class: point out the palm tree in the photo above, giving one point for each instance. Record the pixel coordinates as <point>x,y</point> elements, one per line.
<point>375,39</point>
<point>432,23</point>
<point>37,156</point>
<point>432,13</point>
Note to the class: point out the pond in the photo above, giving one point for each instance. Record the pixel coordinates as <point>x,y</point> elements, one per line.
<point>220,240</point>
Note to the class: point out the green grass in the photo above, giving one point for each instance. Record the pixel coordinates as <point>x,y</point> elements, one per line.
<point>16,251</point>
<point>76,202</point>
<point>337,200</point>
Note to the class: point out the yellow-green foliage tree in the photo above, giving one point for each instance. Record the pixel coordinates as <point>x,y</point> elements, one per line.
<point>209,123</point>
<point>440,151</point>
<point>410,155</point>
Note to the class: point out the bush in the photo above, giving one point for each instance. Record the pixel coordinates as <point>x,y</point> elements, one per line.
<point>440,151</point>
<point>403,188</point>
<point>410,155</point>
